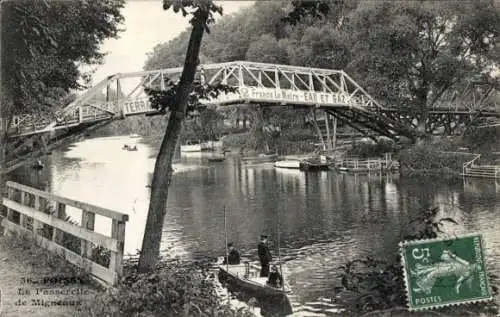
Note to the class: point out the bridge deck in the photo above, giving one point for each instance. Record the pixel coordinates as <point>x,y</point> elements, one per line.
<point>259,83</point>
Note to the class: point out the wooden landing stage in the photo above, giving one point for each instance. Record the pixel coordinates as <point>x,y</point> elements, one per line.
<point>368,165</point>
<point>42,216</point>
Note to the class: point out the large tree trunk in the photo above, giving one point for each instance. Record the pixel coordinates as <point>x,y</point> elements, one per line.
<point>3,145</point>
<point>4,124</point>
<point>163,168</point>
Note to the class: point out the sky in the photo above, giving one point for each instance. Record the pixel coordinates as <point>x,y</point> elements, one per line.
<point>147,25</point>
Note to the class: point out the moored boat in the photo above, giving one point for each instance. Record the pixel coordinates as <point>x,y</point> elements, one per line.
<point>216,159</point>
<point>192,148</point>
<point>288,164</point>
<point>262,158</point>
<point>314,166</point>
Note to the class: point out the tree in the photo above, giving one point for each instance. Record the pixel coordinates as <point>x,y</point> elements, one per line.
<point>409,54</point>
<point>43,43</point>
<point>412,53</point>
<point>176,99</point>
<point>267,49</point>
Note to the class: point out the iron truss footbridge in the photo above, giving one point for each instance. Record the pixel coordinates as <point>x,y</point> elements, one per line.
<point>259,83</point>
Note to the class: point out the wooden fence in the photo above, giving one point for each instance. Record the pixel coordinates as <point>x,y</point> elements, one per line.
<point>43,216</point>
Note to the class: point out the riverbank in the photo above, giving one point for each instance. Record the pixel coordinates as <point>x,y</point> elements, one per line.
<point>174,288</point>
<point>37,284</point>
<point>446,156</point>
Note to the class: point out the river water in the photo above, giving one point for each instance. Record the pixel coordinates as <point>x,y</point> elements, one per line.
<point>323,219</point>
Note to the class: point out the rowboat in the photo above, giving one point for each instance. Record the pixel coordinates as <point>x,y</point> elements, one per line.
<point>216,159</point>
<point>262,158</point>
<point>245,278</point>
<point>129,148</point>
<point>305,165</point>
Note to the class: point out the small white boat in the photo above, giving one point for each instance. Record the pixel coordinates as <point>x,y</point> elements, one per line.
<point>134,136</point>
<point>192,148</point>
<point>288,164</point>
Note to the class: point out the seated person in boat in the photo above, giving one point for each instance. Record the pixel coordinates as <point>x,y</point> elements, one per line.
<point>275,278</point>
<point>234,255</point>
<point>264,256</point>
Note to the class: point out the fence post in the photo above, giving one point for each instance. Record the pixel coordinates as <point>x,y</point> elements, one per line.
<point>88,222</point>
<point>22,217</point>
<point>37,225</point>
<point>10,195</point>
<point>57,235</point>
<point>117,233</point>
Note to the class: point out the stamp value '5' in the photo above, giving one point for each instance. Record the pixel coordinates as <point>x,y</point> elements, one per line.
<point>443,272</point>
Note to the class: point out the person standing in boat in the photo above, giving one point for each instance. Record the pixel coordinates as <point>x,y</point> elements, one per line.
<point>264,256</point>
<point>233,257</point>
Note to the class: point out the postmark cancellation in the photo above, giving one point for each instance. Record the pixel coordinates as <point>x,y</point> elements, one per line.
<point>444,272</point>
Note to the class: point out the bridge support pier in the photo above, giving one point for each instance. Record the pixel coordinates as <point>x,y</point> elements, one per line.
<point>331,138</point>
<point>334,137</point>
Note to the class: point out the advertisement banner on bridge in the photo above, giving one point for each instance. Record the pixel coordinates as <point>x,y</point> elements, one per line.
<point>254,94</point>
<point>287,96</point>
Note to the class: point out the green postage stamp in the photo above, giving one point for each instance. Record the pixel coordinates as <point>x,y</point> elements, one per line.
<point>443,272</point>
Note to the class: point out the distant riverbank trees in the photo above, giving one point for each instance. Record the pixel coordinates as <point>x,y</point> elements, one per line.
<point>411,55</point>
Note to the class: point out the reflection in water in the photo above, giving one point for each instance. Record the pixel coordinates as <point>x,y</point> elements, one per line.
<point>323,218</point>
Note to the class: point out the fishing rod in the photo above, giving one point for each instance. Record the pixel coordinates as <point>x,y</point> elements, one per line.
<point>225,232</point>
<point>279,254</point>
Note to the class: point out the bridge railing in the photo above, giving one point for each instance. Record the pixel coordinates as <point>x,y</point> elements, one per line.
<point>42,216</point>
<point>469,163</point>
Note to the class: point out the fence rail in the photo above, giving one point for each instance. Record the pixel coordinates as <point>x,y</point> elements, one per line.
<point>43,216</point>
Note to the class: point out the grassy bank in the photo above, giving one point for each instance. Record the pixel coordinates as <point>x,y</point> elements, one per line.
<point>173,289</point>
<point>446,155</point>
<point>49,285</point>
<point>432,157</point>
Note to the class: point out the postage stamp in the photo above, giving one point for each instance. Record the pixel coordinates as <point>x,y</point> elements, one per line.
<point>443,272</point>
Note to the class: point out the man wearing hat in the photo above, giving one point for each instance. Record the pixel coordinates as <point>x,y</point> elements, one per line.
<point>264,256</point>
<point>234,255</point>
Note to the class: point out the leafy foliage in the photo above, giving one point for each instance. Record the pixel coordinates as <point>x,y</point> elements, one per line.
<point>369,149</point>
<point>195,7</point>
<point>372,284</point>
<point>432,156</point>
<point>407,54</point>
<point>315,9</point>
<point>45,42</point>
<point>164,100</point>
<point>173,288</point>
